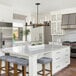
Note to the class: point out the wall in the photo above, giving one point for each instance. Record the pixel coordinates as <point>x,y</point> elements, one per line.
<point>41,18</point>
<point>70,35</point>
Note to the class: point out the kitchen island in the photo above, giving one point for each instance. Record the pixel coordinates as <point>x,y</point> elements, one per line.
<point>60,56</point>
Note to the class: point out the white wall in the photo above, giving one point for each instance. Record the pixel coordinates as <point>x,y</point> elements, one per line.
<point>70,35</point>
<point>41,17</point>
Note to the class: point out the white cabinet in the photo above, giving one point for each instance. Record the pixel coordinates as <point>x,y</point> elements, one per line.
<point>56,24</point>
<point>66,57</point>
<point>61,59</point>
<point>1,53</point>
<point>6,13</point>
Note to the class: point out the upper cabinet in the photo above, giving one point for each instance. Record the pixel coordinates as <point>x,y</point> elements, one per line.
<point>6,13</point>
<point>56,18</point>
<point>69,19</point>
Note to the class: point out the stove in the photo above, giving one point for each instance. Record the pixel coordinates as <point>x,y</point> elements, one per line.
<point>72,46</point>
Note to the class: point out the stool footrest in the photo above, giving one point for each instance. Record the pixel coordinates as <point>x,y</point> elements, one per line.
<point>39,72</point>
<point>3,68</point>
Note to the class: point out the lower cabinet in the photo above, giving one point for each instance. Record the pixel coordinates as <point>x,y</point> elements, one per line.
<point>1,53</point>
<point>61,59</point>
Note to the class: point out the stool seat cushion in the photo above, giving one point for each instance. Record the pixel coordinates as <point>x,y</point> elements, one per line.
<point>4,58</point>
<point>44,60</point>
<point>19,61</point>
<point>15,60</point>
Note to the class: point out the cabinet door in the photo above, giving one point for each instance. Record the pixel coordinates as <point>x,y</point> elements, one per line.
<point>53,28</point>
<point>72,19</point>
<point>65,19</point>
<point>53,18</point>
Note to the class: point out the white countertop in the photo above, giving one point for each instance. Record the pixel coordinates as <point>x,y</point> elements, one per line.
<point>23,51</point>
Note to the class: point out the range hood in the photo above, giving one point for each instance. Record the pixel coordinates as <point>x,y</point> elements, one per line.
<point>68,26</point>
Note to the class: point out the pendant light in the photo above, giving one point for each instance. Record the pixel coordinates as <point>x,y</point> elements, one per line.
<point>37,16</point>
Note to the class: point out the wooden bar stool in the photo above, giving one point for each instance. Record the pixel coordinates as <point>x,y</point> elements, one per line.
<point>6,67</point>
<point>43,61</point>
<point>18,61</point>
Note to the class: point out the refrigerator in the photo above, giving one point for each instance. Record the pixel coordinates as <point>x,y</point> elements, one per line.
<point>5,34</point>
<point>0,40</point>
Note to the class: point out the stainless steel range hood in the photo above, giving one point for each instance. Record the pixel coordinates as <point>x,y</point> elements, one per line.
<point>68,27</point>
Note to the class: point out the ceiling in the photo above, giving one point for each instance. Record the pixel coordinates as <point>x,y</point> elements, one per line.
<point>46,5</point>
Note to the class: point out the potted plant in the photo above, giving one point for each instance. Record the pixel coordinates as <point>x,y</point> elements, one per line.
<point>14,37</point>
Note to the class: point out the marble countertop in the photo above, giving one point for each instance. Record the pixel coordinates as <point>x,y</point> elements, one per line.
<point>24,51</point>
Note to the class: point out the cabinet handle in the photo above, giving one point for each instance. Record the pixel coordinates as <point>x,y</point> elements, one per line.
<point>46,53</point>
<point>57,58</point>
<point>58,52</point>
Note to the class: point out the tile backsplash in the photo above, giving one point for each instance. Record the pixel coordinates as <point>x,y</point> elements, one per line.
<point>70,35</point>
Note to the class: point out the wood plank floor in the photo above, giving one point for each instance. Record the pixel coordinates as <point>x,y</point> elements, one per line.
<point>68,71</point>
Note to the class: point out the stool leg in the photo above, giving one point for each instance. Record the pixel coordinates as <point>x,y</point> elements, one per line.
<point>0,66</point>
<point>23,70</point>
<point>43,69</point>
<point>7,68</point>
<point>15,70</point>
<point>50,69</point>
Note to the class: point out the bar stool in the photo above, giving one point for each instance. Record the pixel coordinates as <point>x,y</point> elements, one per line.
<point>18,61</point>
<point>43,61</point>
<point>6,67</point>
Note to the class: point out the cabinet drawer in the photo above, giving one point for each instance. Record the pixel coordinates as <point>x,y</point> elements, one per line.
<point>56,67</point>
<point>67,56</point>
<point>40,55</point>
<point>45,55</point>
<point>48,55</point>
<point>59,52</point>
<point>57,59</point>
<point>67,61</point>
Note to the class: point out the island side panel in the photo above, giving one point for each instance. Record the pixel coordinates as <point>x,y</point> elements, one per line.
<point>61,59</point>
<point>33,65</point>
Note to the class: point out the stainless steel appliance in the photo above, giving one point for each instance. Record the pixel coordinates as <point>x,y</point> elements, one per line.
<point>5,34</point>
<point>72,47</point>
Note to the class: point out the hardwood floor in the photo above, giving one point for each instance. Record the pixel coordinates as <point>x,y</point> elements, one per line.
<point>9,74</point>
<point>68,71</point>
